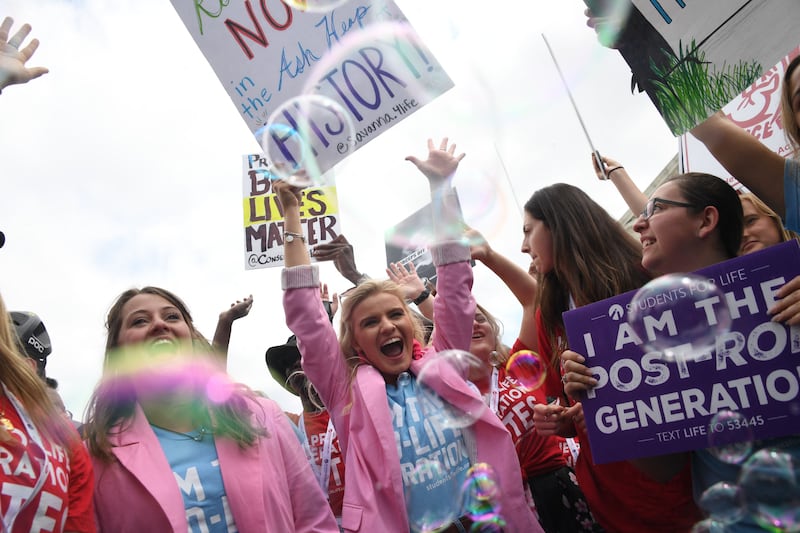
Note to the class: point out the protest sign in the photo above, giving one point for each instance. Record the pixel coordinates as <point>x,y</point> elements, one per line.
<point>263,217</point>
<point>757,109</point>
<point>362,59</point>
<point>692,58</point>
<point>407,241</point>
<point>645,406</point>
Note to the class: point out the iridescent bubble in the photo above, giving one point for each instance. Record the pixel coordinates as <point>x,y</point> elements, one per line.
<point>708,525</point>
<point>423,517</point>
<point>679,315</point>
<point>315,6</point>
<point>527,368</point>
<point>300,136</point>
<point>434,370</point>
<point>481,494</point>
<point>769,486</point>
<point>608,18</point>
<point>730,436</point>
<point>723,503</point>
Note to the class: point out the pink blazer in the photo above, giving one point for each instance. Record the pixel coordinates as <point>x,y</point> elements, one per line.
<point>269,486</point>
<point>373,499</point>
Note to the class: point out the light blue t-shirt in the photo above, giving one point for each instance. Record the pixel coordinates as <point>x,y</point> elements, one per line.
<point>791,194</point>
<point>195,465</point>
<point>434,458</point>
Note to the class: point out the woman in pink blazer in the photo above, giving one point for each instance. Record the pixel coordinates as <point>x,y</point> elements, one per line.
<point>177,447</point>
<point>368,380</point>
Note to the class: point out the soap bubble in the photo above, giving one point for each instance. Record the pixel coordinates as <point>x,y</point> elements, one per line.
<point>730,436</point>
<point>723,503</point>
<point>299,138</point>
<point>466,366</point>
<point>481,499</point>
<point>676,310</point>
<point>315,6</point>
<point>769,486</point>
<point>527,368</point>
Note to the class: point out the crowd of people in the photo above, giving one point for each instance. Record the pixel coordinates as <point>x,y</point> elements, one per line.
<point>410,419</point>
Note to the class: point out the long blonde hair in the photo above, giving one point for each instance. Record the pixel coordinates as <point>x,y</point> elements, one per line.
<point>31,390</point>
<point>358,295</point>
<point>763,209</point>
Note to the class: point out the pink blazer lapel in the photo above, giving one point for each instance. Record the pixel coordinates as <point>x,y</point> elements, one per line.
<point>139,452</point>
<point>243,473</point>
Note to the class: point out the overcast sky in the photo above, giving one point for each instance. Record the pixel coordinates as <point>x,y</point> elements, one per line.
<point>122,166</point>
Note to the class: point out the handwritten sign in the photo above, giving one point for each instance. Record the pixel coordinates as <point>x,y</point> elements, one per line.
<point>757,109</point>
<point>692,58</point>
<point>364,57</point>
<point>644,406</point>
<point>263,217</point>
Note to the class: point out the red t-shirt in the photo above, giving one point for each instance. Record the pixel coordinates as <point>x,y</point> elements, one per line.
<point>316,426</point>
<point>621,497</point>
<point>550,390</point>
<point>64,502</point>
<point>625,500</point>
<point>537,455</point>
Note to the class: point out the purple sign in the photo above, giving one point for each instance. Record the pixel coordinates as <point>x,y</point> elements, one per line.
<point>744,387</point>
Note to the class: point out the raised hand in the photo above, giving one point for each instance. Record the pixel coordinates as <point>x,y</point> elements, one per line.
<point>406,276</point>
<point>13,58</point>
<point>239,309</point>
<point>340,252</point>
<point>441,163</point>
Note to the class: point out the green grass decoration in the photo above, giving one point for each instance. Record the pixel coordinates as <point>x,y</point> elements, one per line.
<point>688,93</point>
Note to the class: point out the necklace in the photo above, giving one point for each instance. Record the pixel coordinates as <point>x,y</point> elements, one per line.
<point>197,435</point>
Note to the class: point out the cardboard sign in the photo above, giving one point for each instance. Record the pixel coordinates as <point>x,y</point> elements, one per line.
<point>645,406</point>
<point>365,58</point>
<point>758,110</point>
<point>692,58</point>
<point>263,218</point>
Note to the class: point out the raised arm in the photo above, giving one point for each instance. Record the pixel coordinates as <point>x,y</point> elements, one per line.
<point>634,198</point>
<point>454,306</point>
<point>222,335</point>
<point>13,58</point>
<point>757,167</point>
<point>306,316</point>
<point>341,253</point>
<point>521,283</point>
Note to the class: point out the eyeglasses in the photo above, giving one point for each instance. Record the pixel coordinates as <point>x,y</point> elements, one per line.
<point>650,207</point>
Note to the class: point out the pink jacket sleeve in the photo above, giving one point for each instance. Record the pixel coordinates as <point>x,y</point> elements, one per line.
<point>454,306</point>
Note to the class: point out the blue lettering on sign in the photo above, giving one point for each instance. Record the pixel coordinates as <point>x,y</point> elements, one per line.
<point>660,9</point>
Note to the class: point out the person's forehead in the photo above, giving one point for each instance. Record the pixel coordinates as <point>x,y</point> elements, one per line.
<point>145,301</point>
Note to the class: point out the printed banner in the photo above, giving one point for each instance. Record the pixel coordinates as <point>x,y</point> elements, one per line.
<point>692,58</point>
<point>363,60</point>
<point>645,406</point>
<point>263,218</point>
<point>758,110</point>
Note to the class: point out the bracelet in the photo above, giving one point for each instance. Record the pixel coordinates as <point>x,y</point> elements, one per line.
<point>610,170</point>
<point>290,236</point>
<point>422,297</point>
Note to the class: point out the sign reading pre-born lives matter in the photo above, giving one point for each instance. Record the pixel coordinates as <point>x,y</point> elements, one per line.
<point>692,58</point>
<point>362,58</point>
<point>647,404</point>
<point>263,217</point>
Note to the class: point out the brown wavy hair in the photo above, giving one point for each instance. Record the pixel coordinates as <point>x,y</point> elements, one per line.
<point>594,258</point>
<point>790,125</point>
<point>113,402</point>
